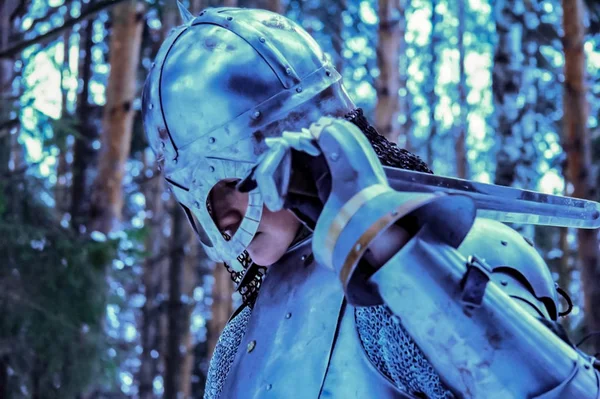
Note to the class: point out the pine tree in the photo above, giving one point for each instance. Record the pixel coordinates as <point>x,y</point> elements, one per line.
<point>392,25</point>
<point>117,121</point>
<point>579,161</point>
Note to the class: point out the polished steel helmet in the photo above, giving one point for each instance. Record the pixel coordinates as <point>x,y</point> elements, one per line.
<point>222,83</point>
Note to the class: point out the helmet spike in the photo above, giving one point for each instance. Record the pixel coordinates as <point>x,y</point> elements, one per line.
<point>186,16</point>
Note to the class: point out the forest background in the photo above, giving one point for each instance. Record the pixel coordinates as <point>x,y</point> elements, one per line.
<point>104,293</point>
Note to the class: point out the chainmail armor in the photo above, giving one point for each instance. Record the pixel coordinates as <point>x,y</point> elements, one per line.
<point>393,352</point>
<point>387,344</point>
<point>224,353</point>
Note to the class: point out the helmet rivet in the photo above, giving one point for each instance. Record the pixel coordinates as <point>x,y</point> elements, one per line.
<point>256,115</point>
<point>299,89</point>
<point>153,64</point>
<point>230,18</point>
<point>288,315</point>
<point>504,243</point>
<point>151,106</point>
<point>262,40</point>
<point>358,247</point>
<point>162,144</point>
<point>334,156</point>
<point>202,13</point>
<point>504,283</point>
<point>327,72</point>
<point>269,386</point>
<point>211,168</point>
<point>303,258</point>
<point>211,140</point>
<point>288,71</point>
<point>196,204</point>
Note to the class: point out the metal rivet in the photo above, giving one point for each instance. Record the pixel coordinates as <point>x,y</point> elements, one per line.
<point>303,258</point>
<point>269,386</point>
<point>211,168</point>
<point>150,106</point>
<point>299,89</point>
<point>162,144</point>
<point>394,213</point>
<point>230,18</point>
<point>197,204</point>
<point>288,71</point>
<point>288,315</point>
<point>504,243</point>
<point>202,13</point>
<point>153,64</point>
<point>211,140</point>
<point>262,40</point>
<point>251,346</point>
<point>334,156</point>
<point>256,115</point>
<point>357,247</point>
<point>587,366</point>
<point>327,72</point>
<point>504,283</point>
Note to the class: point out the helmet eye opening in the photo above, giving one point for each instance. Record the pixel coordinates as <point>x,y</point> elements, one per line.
<point>196,226</point>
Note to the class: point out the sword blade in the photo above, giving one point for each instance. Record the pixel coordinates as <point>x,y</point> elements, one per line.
<point>505,204</point>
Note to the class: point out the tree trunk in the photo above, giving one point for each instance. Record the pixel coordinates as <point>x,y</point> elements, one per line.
<point>506,83</point>
<point>117,121</point>
<point>155,271</point>
<point>462,164</point>
<point>156,265</point>
<point>6,75</point>
<point>221,306</point>
<point>432,97</point>
<point>579,161</point>
<point>176,308</point>
<point>337,38</point>
<point>83,154</point>
<point>271,5</point>
<point>190,281</point>
<point>61,190</point>
<point>391,38</point>
<point>8,117</point>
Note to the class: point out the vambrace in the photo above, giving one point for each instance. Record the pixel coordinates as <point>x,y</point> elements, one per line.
<point>481,314</point>
<point>481,342</point>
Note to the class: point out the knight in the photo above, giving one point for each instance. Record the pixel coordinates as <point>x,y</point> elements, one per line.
<point>351,288</point>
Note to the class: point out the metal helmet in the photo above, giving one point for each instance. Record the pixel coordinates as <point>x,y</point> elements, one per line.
<point>221,83</point>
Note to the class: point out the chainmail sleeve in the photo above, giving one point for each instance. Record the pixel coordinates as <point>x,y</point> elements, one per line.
<point>393,352</point>
<point>224,353</point>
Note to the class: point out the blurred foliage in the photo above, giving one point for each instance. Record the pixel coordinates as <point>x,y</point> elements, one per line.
<point>52,298</point>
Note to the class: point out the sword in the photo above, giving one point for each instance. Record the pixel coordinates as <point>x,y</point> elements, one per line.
<point>505,204</point>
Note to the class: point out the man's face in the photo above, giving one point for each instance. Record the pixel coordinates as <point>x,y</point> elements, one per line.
<point>275,232</point>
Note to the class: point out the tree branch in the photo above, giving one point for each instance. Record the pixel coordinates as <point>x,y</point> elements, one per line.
<point>86,14</point>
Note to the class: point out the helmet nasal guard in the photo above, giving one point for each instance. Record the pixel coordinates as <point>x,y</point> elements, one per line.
<point>218,85</point>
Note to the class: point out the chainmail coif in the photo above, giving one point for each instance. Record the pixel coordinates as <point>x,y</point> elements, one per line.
<point>387,344</point>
